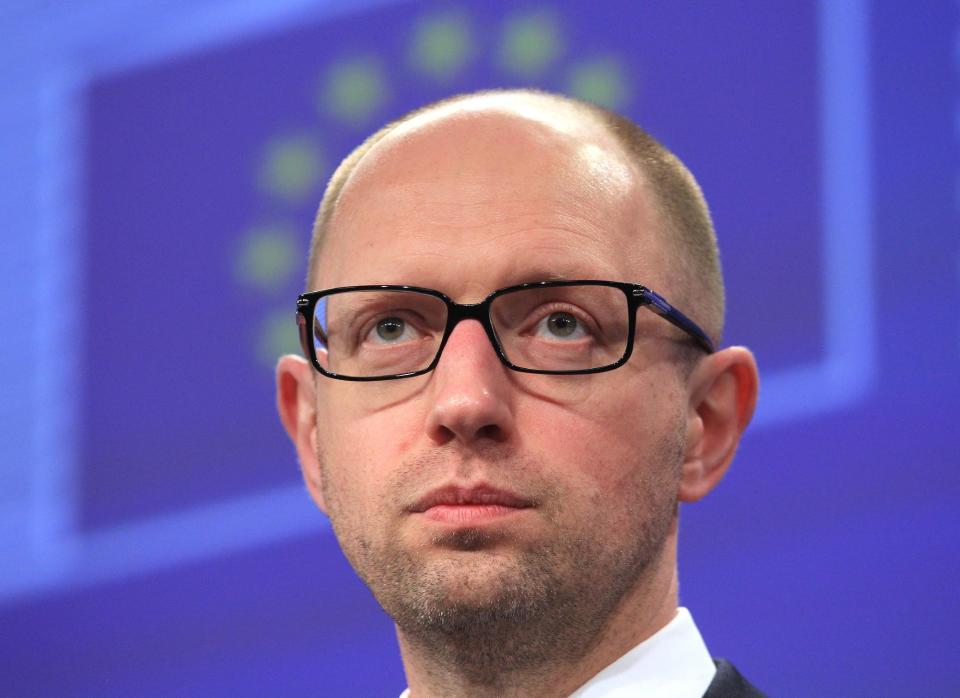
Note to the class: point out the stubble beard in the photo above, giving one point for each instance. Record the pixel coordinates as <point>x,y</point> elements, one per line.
<point>540,609</point>
<point>490,617</point>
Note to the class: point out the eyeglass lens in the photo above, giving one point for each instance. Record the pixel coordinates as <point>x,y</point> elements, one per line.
<point>389,332</point>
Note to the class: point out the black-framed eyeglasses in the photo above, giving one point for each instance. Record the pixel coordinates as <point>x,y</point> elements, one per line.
<point>383,332</point>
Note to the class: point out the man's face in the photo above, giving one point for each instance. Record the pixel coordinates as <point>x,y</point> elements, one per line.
<point>475,489</point>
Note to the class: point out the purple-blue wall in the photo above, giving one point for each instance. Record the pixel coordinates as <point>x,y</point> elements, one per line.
<point>163,164</point>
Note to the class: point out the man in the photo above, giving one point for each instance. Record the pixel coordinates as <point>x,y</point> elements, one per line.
<point>503,467</point>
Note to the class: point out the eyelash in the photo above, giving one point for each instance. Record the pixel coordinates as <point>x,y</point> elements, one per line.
<point>370,326</point>
<point>544,312</point>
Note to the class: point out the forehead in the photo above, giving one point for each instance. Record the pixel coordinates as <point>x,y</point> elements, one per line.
<point>481,196</point>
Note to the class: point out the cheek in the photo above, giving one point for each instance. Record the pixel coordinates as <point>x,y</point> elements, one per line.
<point>361,449</point>
<point>366,421</point>
<point>612,439</point>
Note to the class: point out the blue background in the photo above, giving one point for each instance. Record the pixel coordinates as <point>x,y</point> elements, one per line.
<point>162,164</point>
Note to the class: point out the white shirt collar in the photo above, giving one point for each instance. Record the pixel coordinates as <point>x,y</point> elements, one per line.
<point>671,663</point>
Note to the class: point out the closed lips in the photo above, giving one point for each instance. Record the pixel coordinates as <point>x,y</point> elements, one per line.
<point>473,496</point>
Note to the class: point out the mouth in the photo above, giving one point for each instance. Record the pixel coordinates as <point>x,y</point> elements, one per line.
<point>470,505</point>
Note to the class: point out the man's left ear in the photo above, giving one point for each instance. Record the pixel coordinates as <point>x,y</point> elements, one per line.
<point>723,393</point>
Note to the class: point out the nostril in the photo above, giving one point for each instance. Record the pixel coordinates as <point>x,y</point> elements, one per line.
<point>443,435</point>
<point>491,431</point>
<point>467,420</point>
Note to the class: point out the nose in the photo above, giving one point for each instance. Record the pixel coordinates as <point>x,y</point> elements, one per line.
<point>471,391</point>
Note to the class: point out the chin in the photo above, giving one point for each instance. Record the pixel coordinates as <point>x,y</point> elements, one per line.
<point>475,574</point>
<point>457,586</point>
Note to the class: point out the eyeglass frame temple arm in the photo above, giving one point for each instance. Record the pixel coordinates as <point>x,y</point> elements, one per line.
<point>661,307</point>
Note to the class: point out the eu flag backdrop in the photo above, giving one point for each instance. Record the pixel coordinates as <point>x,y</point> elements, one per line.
<point>157,539</point>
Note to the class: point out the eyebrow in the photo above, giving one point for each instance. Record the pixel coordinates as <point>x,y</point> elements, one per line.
<point>569,273</point>
<point>556,276</point>
<point>527,277</point>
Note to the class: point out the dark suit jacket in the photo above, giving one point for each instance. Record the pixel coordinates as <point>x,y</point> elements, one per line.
<point>728,683</point>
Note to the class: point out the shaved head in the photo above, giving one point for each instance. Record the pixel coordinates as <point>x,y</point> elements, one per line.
<point>692,267</point>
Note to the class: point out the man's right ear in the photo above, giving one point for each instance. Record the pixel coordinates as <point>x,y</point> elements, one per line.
<point>297,405</point>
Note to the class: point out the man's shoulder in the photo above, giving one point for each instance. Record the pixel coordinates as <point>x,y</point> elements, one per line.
<point>729,683</point>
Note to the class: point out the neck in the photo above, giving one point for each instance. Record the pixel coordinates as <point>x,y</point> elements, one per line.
<point>565,654</point>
